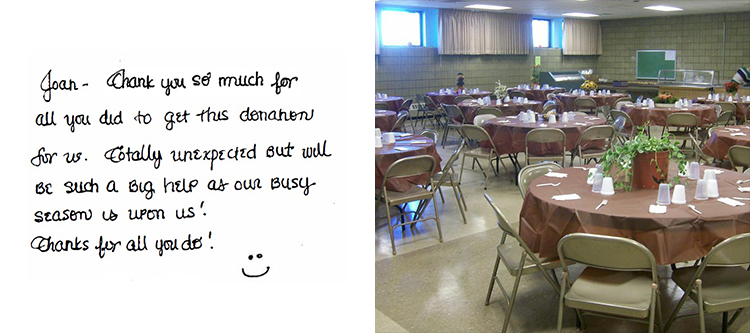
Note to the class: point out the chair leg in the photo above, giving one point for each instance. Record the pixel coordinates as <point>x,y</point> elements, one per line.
<point>512,301</point>
<point>724,317</point>
<point>492,281</point>
<point>561,305</point>
<point>458,201</point>
<point>437,218</point>
<point>701,315</point>
<point>461,173</point>
<point>442,199</point>
<point>390,228</point>
<point>461,193</point>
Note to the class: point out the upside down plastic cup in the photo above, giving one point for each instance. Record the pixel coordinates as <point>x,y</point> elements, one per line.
<point>389,138</point>
<point>598,182</point>
<point>712,188</point>
<point>709,174</point>
<point>552,119</point>
<point>700,190</point>
<point>663,197</point>
<point>694,172</point>
<point>377,131</point>
<point>678,196</point>
<point>608,187</point>
<point>378,142</point>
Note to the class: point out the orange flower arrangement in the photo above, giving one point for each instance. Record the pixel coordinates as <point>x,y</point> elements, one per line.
<point>731,87</point>
<point>666,98</point>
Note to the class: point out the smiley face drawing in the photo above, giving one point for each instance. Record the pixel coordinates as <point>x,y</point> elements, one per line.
<point>258,256</point>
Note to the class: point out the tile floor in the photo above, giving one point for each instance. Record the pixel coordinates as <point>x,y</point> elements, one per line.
<point>440,287</point>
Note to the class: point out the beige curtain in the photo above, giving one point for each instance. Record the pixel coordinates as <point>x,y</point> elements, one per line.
<point>377,36</point>
<point>582,37</point>
<point>468,32</point>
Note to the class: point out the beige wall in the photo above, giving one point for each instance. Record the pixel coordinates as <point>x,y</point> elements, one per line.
<point>410,71</point>
<point>697,39</point>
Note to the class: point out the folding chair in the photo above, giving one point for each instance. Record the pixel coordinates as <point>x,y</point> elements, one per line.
<point>601,132</point>
<point>545,136</point>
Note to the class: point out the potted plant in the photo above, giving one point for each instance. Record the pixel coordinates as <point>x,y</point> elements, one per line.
<point>731,87</point>
<point>500,90</point>
<point>665,100</point>
<point>644,161</point>
<point>534,79</point>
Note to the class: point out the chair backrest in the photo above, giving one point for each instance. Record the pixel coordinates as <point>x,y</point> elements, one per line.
<point>406,105</point>
<point>493,111</point>
<point>453,112</point>
<point>480,119</point>
<point>545,135</point>
<point>730,252</point>
<point>400,121</point>
<point>727,106</point>
<point>606,252</point>
<point>619,124</point>
<point>682,119</point>
<point>409,167</point>
<point>584,103</point>
<point>739,156</point>
<point>516,93</point>
<point>697,148</point>
<point>558,91</point>
<point>614,114</point>
<point>473,132</point>
<point>381,106</point>
<point>622,100</point>
<point>724,119</point>
<point>747,172</point>
<point>461,98</point>
<point>430,134</point>
<point>599,132</point>
<point>429,103</point>
<point>447,173</point>
<point>502,221</point>
<point>531,172</point>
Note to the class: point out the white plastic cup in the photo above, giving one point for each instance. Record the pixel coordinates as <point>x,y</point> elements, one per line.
<point>712,188</point>
<point>598,181</point>
<point>377,132</point>
<point>678,196</point>
<point>389,138</point>
<point>522,117</point>
<point>378,142</point>
<point>709,174</point>
<point>663,197</point>
<point>700,190</point>
<point>694,171</point>
<point>552,119</point>
<point>385,96</point>
<point>608,187</point>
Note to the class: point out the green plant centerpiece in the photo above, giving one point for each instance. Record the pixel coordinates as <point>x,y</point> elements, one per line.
<point>500,90</point>
<point>644,160</point>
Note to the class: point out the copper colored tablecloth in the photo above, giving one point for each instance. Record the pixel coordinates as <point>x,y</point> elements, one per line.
<point>740,107</point>
<point>677,236</point>
<point>717,146</point>
<point>658,116</point>
<point>510,138</point>
<point>448,98</point>
<point>469,108</point>
<point>393,102</point>
<point>568,100</point>
<point>388,154</point>
<point>537,94</point>
<point>385,119</point>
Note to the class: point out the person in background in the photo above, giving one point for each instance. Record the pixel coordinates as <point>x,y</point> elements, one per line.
<point>742,77</point>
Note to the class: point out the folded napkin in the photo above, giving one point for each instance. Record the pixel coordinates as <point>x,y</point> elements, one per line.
<point>505,104</point>
<point>581,124</point>
<point>593,118</point>
<point>558,175</point>
<point>404,134</point>
<point>656,209</point>
<point>733,129</point>
<point>503,121</point>
<point>738,134</point>
<point>401,148</point>
<point>744,189</point>
<point>731,202</point>
<point>542,125</point>
<point>513,117</point>
<point>418,141</point>
<point>564,197</point>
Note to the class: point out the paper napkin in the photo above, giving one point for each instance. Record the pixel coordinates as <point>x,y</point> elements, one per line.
<point>731,202</point>
<point>561,175</point>
<point>738,134</point>
<point>656,209</point>
<point>564,197</point>
<point>744,189</point>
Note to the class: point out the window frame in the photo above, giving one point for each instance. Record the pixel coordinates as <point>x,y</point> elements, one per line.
<point>549,32</point>
<point>422,39</point>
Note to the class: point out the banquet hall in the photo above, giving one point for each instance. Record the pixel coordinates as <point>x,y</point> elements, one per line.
<point>562,166</point>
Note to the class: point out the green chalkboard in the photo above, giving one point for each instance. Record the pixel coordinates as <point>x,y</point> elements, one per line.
<point>649,62</point>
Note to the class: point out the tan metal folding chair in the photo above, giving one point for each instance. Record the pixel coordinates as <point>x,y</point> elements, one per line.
<point>454,119</point>
<point>739,156</point>
<point>680,126</point>
<point>478,135</point>
<point>461,98</point>
<point>585,104</point>
<point>447,177</point>
<point>531,172</point>
<point>542,136</point>
<point>600,132</point>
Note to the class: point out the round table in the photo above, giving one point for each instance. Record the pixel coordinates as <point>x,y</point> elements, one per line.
<point>406,145</point>
<point>393,102</point>
<point>658,115</point>
<point>384,119</point>
<point>438,98</point>
<point>568,100</point>
<point>469,108</point>
<point>509,134</point>
<point>717,146</point>
<point>678,235</point>
<point>537,94</point>
<point>740,107</point>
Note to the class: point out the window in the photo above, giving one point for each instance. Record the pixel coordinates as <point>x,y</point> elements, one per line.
<point>401,28</point>
<point>540,30</point>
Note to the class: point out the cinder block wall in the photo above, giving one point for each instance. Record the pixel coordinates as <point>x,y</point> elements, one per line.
<point>697,39</point>
<point>409,71</point>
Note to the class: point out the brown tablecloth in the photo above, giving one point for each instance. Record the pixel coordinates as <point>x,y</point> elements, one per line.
<point>717,146</point>
<point>677,236</point>
<point>384,119</point>
<point>510,137</point>
<point>388,154</point>
<point>537,94</point>
<point>740,107</point>
<point>394,102</point>
<point>448,98</point>
<point>568,100</point>
<point>658,116</point>
<point>469,108</point>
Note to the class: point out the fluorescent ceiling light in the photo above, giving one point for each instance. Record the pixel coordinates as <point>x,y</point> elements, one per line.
<point>580,15</point>
<point>663,8</point>
<point>489,7</point>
